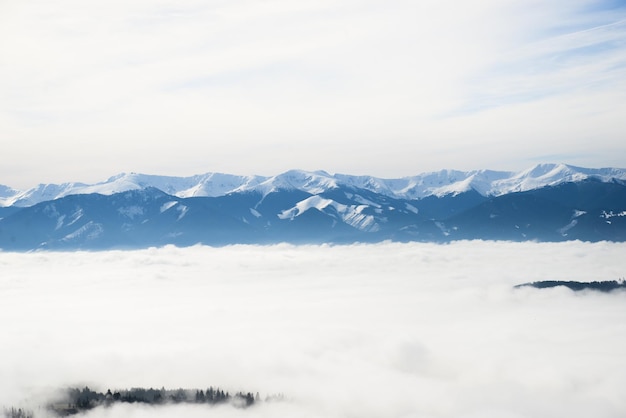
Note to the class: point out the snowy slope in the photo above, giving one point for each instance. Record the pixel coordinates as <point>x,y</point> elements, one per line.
<point>350,214</point>
<point>439,183</point>
<point>588,210</point>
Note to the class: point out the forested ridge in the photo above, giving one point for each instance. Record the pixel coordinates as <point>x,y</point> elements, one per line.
<point>601,286</point>
<point>75,401</point>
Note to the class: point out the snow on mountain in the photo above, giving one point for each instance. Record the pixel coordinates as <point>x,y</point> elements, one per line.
<point>216,184</point>
<point>6,195</point>
<point>586,210</point>
<point>350,214</point>
<point>439,183</point>
<point>548,175</point>
<point>485,182</point>
<point>311,182</point>
<point>133,181</point>
<point>6,191</point>
<point>41,193</point>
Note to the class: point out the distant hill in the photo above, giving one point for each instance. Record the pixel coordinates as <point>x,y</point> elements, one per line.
<point>603,286</point>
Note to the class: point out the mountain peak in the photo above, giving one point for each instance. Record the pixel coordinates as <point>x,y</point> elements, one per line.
<point>312,182</point>
<point>211,184</point>
<point>308,207</point>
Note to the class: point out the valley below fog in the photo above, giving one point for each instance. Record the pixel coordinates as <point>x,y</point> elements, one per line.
<point>364,330</point>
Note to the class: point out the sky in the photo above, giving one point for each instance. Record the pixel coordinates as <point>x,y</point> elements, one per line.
<point>384,88</point>
<point>393,330</point>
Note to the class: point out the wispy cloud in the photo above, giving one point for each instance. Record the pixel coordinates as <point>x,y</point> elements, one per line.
<point>588,55</point>
<point>233,85</point>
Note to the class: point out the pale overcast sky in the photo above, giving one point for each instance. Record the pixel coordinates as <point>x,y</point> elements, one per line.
<point>387,88</point>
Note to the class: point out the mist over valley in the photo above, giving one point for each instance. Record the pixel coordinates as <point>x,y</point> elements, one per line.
<point>370,330</point>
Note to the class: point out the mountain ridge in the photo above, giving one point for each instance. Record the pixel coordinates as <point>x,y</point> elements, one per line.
<point>588,210</point>
<point>439,183</point>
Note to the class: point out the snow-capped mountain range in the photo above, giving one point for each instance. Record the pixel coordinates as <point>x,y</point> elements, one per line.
<point>549,202</point>
<point>440,183</point>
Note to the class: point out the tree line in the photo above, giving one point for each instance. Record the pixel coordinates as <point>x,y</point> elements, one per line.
<point>601,286</point>
<point>79,400</point>
<point>75,401</point>
<point>17,413</point>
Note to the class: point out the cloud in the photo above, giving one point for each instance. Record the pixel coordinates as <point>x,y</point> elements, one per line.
<point>363,330</point>
<point>581,61</point>
<point>231,86</point>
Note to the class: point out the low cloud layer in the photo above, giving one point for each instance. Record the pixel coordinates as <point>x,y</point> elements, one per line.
<point>396,330</point>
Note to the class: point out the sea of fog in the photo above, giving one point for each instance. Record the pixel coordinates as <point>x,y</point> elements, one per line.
<point>386,330</point>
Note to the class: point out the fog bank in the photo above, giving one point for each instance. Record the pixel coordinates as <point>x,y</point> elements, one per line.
<point>395,330</point>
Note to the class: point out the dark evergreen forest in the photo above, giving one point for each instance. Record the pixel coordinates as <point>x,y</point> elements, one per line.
<point>603,286</point>
<point>77,401</point>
